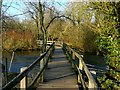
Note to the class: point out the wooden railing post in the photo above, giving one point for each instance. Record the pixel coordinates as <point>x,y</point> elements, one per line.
<point>81,67</point>
<point>80,64</point>
<point>41,66</point>
<point>78,79</point>
<point>50,53</point>
<point>6,71</point>
<point>48,58</point>
<point>23,82</point>
<point>90,84</point>
<point>73,55</point>
<point>69,52</point>
<point>73,58</point>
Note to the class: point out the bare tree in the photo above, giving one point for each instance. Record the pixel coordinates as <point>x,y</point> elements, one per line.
<point>38,14</point>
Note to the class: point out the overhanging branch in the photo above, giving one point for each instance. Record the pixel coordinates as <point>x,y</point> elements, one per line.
<point>59,17</point>
<point>19,14</point>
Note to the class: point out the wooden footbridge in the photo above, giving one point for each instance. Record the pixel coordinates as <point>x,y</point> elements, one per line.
<point>60,68</point>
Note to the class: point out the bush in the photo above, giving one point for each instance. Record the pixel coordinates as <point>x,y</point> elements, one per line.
<point>13,40</point>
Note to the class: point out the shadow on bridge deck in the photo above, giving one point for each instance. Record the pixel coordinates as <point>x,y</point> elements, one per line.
<point>59,73</point>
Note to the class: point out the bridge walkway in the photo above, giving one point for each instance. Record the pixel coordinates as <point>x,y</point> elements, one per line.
<point>59,73</point>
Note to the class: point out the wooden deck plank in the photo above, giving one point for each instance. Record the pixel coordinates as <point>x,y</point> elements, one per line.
<point>59,73</point>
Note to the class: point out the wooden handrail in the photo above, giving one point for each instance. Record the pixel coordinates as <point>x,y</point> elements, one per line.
<point>18,78</point>
<point>80,67</point>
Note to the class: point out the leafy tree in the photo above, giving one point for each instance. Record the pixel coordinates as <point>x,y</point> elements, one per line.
<point>56,29</point>
<point>82,35</point>
<point>107,17</point>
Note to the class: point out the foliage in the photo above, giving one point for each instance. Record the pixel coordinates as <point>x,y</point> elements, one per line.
<point>18,35</point>
<point>81,35</point>
<point>105,30</point>
<point>13,40</point>
<point>56,29</point>
<point>108,41</point>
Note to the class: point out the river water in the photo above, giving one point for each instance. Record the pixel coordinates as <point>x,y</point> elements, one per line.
<point>25,58</point>
<point>21,59</point>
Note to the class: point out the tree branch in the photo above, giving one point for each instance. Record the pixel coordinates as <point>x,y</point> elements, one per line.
<point>19,14</point>
<point>59,17</point>
<point>8,7</point>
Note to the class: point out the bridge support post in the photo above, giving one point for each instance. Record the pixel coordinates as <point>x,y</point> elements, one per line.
<point>73,55</point>
<point>91,85</point>
<point>49,56</point>
<point>51,52</point>
<point>23,82</point>
<point>80,64</point>
<point>73,58</point>
<point>6,71</point>
<point>78,79</point>
<point>41,67</point>
<point>81,68</point>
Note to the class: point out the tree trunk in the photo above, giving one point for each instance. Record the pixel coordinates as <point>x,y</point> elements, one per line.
<point>41,18</point>
<point>0,11</point>
<point>0,8</point>
<point>38,27</point>
<point>44,41</point>
<point>0,22</point>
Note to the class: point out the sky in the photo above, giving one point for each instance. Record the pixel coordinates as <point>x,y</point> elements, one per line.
<point>18,6</point>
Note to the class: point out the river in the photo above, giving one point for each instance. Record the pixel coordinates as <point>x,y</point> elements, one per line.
<point>21,59</point>
<point>25,58</point>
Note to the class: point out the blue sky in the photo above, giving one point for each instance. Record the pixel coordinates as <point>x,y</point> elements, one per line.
<point>18,6</point>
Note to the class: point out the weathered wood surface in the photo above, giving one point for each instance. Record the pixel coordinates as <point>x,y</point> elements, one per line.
<point>91,83</point>
<point>59,73</point>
